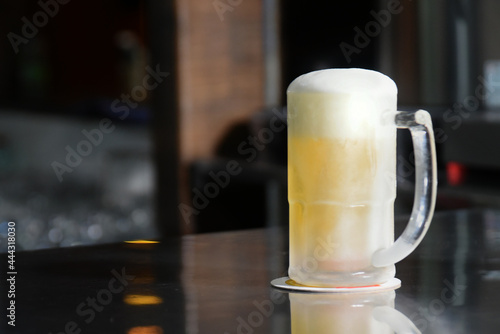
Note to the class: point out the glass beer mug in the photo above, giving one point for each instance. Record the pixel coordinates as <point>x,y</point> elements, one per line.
<point>342,126</point>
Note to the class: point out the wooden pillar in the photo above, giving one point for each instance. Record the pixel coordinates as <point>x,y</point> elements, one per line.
<point>214,53</point>
<point>162,31</point>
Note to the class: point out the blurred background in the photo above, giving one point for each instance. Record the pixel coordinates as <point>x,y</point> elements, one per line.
<point>128,119</point>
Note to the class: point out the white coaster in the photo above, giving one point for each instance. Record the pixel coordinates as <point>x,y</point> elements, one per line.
<point>287,284</point>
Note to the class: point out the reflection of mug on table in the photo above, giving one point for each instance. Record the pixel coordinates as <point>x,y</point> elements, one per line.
<point>347,313</point>
<point>342,178</point>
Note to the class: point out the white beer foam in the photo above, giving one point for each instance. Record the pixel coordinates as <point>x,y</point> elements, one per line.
<point>349,103</point>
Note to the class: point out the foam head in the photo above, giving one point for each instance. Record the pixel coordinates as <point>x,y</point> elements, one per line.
<point>346,81</point>
<point>340,102</point>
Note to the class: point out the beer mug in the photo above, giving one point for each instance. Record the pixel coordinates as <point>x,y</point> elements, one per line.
<point>342,126</point>
<point>347,313</point>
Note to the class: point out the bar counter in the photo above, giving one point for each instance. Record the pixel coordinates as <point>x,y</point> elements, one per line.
<point>220,283</point>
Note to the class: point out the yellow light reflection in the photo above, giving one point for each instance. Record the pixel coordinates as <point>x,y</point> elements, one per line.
<point>145,330</point>
<point>142,300</point>
<point>142,242</point>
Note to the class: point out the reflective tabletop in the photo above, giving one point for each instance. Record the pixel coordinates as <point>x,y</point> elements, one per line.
<point>220,283</point>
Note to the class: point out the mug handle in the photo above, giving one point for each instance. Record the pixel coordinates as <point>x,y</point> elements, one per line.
<point>420,125</point>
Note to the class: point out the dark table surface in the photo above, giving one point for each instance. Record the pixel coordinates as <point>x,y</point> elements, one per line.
<point>219,283</point>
